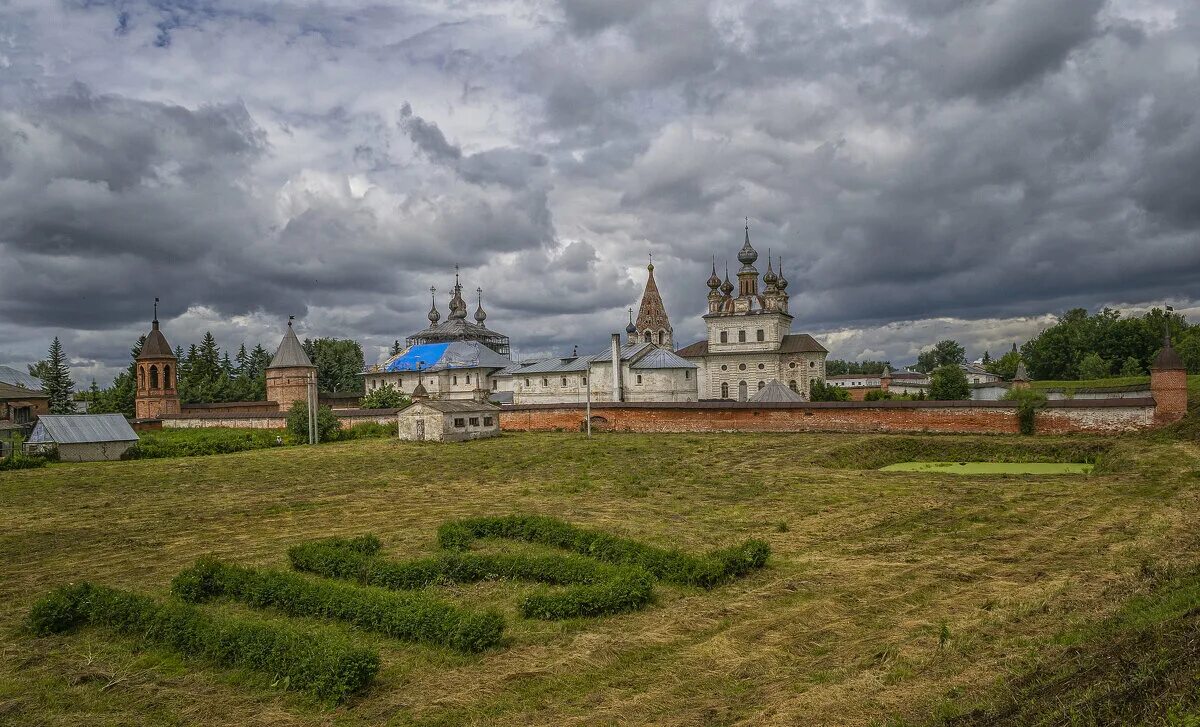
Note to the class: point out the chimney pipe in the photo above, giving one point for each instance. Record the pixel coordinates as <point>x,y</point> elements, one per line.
<point>616,358</point>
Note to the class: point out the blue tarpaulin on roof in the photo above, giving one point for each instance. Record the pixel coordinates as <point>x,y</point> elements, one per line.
<point>419,357</point>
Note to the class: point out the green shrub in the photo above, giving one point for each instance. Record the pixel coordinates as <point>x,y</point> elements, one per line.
<point>593,588</point>
<point>328,426</point>
<point>367,430</point>
<point>822,391</point>
<point>385,397</point>
<point>412,617</point>
<point>706,571</point>
<point>20,461</point>
<point>203,441</point>
<point>325,665</point>
<point>949,383</point>
<point>1029,402</point>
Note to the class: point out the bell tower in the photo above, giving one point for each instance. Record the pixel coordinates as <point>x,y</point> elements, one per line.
<point>156,376</point>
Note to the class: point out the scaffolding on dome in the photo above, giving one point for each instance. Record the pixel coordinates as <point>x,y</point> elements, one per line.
<point>460,330</point>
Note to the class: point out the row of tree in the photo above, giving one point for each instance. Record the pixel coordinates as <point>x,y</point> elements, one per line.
<point>1103,344</point>
<point>204,374</point>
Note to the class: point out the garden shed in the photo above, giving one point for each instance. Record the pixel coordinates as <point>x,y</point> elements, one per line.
<point>448,420</point>
<point>83,437</point>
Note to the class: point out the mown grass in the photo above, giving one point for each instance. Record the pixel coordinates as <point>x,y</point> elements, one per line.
<point>887,597</point>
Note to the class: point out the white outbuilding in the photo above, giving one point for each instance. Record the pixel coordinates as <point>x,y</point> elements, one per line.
<point>83,437</point>
<point>448,420</point>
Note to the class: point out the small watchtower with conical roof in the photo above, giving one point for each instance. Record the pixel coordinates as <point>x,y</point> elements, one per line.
<point>290,372</point>
<point>1168,381</point>
<point>156,395</point>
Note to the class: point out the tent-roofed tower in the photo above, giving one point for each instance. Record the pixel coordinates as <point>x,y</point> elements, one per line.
<point>652,323</point>
<point>290,372</point>
<point>156,365</point>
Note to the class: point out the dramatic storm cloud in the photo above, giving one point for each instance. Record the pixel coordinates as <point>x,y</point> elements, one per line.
<point>927,168</point>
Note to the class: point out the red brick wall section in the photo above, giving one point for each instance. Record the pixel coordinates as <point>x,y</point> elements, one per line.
<point>288,385</point>
<point>1170,394</point>
<point>260,408</point>
<point>951,417</point>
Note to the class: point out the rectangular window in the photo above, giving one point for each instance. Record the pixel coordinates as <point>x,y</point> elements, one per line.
<point>545,381</point>
<point>454,380</point>
<point>460,422</point>
<point>760,335</point>
<point>724,336</point>
<point>639,378</point>
<point>495,384</point>
<point>564,380</point>
<point>741,336</point>
<point>585,381</point>
<point>474,421</point>
<point>687,374</point>
<point>487,421</point>
<point>468,378</point>
<point>527,382</point>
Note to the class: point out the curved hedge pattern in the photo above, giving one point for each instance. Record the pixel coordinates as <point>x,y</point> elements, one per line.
<point>594,589</point>
<point>707,571</point>
<point>325,665</point>
<point>411,616</point>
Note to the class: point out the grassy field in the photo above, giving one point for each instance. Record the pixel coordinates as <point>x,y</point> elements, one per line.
<point>890,598</point>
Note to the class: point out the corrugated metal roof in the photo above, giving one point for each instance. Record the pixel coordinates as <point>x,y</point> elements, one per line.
<point>290,353</point>
<point>792,343</point>
<point>448,406</point>
<point>774,391</point>
<point>10,392</point>
<point>13,377</point>
<point>82,429</point>
<point>661,358</point>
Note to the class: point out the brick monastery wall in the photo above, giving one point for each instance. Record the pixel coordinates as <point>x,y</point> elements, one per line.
<point>970,417</point>
<point>346,418</point>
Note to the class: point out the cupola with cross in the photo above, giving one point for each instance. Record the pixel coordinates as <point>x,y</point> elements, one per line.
<point>156,394</point>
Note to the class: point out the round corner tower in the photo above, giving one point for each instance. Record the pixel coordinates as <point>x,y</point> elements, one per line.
<point>156,377</point>
<point>290,372</point>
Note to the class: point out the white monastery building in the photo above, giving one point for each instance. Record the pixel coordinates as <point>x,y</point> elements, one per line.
<point>750,340</point>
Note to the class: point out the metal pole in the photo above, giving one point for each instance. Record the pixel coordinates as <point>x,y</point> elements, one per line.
<point>589,401</point>
<point>312,414</point>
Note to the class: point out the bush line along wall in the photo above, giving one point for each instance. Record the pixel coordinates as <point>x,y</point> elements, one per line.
<point>412,616</point>
<point>673,566</point>
<point>327,666</point>
<point>593,589</point>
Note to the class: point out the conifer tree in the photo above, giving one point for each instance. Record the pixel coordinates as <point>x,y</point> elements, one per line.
<point>56,379</point>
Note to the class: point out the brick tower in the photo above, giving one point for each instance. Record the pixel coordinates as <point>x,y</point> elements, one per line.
<point>290,372</point>
<point>1168,383</point>
<point>156,376</point>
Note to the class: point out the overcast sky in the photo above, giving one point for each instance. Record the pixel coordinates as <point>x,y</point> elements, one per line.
<point>927,168</point>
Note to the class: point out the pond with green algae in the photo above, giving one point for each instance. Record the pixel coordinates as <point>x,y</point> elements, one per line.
<point>993,468</point>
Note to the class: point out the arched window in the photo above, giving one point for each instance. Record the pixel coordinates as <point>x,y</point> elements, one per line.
<point>141,377</point>
<point>167,376</point>
<point>761,384</point>
<point>742,390</point>
<point>793,387</point>
<point>646,337</point>
<point>153,377</point>
<point>661,337</point>
<point>725,390</point>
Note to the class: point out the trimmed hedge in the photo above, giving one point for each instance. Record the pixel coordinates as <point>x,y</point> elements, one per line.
<point>413,617</point>
<point>325,665</point>
<point>707,571</point>
<point>594,589</point>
